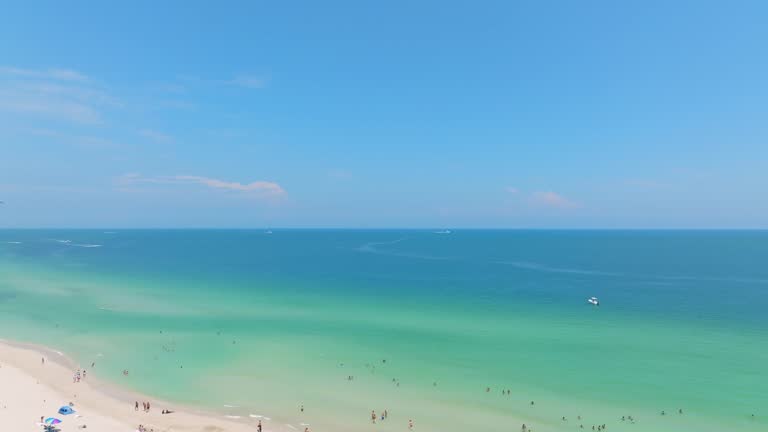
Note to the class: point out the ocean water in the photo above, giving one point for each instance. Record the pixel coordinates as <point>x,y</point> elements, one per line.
<point>430,326</point>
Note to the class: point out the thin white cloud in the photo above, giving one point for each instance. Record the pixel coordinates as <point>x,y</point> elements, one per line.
<point>156,136</point>
<point>52,73</point>
<point>84,141</point>
<point>269,188</point>
<point>175,104</point>
<point>32,105</point>
<point>248,81</point>
<point>259,188</point>
<point>60,94</point>
<point>77,92</point>
<point>553,200</point>
<point>340,174</point>
<point>512,190</point>
<point>645,183</point>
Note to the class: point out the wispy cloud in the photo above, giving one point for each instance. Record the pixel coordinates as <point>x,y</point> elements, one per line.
<point>553,200</point>
<point>74,91</point>
<point>259,188</point>
<point>70,111</point>
<point>645,183</point>
<point>156,136</point>
<point>248,81</point>
<point>512,190</point>
<point>340,174</point>
<point>61,94</point>
<point>85,141</point>
<point>51,73</point>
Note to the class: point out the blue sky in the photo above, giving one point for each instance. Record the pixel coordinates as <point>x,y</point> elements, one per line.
<point>545,114</point>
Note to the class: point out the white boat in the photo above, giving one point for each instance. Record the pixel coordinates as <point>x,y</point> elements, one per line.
<point>594,301</point>
<point>443,232</point>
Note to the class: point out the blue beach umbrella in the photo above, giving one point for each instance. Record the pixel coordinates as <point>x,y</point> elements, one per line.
<point>66,410</point>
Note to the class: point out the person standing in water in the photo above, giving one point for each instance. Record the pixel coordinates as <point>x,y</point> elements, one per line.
<point>373,416</point>
<point>410,424</point>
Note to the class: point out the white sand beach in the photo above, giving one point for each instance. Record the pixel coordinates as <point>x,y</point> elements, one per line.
<point>30,389</point>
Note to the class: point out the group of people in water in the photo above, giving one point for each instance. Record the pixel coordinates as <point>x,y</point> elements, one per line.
<point>602,427</point>
<point>383,415</point>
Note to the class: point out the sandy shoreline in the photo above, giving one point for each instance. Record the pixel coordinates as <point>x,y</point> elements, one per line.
<point>30,389</point>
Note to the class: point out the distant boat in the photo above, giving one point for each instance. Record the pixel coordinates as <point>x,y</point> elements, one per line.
<point>443,232</point>
<point>594,301</point>
<point>268,232</point>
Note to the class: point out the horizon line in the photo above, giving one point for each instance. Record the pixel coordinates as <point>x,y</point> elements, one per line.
<point>211,228</point>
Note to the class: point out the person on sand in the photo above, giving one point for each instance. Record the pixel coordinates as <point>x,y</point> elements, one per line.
<point>42,360</point>
<point>137,406</point>
<point>258,427</point>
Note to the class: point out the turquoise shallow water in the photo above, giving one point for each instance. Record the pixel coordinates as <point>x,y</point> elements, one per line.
<point>246,322</point>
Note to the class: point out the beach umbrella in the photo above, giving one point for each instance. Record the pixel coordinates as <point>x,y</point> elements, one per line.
<point>52,421</point>
<point>66,410</point>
